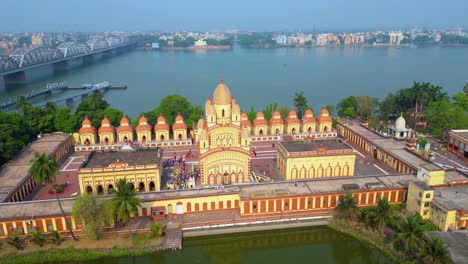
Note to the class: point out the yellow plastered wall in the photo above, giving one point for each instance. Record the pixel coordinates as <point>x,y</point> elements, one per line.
<point>90,137</point>
<point>291,127</point>
<point>316,167</point>
<point>171,204</point>
<point>122,136</point>
<point>109,136</point>
<point>259,128</point>
<point>419,201</point>
<point>181,132</point>
<point>224,136</point>
<point>219,114</point>
<point>146,134</point>
<point>275,127</point>
<point>306,126</point>
<point>162,132</point>
<point>225,162</point>
<point>105,176</point>
<point>326,124</point>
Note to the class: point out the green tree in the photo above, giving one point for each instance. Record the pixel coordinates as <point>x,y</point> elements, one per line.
<point>124,203</point>
<point>300,103</point>
<point>15,240</point>
<point>14,135</point>
<point>461,100</point>
<point>90,212</point>
<point>55,237</point>
<point>365,106</point>
<point>435,250</point>
<point>156,229</point>
<point>22,105</point>
<point>171,105</point>
<point>410,232</point>
<point>252,114</point>
<point>347,107</point>
<point>443,116</point>
<point>43,168</point>
<point>269,109</point>
<point>331,109</point>
<point>94,102</point>
<point>38,238</point>
<point>383,214</point>
<point>64,121</point>
<point>347,207</point>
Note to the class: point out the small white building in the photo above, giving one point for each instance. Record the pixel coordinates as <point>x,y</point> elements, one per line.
<point>399,130</point>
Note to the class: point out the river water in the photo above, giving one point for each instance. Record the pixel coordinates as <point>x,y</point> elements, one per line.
<point>258,77</point>
<point>304,245</point>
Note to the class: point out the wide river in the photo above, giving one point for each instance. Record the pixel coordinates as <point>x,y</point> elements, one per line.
<point>304,245</point>
<point>261,76</point>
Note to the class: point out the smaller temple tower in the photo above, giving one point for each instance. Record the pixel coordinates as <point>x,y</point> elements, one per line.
<point>87,132</point>
<point>106,132</point>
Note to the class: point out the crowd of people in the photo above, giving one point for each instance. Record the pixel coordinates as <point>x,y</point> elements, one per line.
<point>182,178</point>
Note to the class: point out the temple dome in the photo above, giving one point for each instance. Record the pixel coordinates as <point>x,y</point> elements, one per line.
<point>324,112</point>
<point>400,123</point>
<point>86,122</point>
<point>142,120</point>
<point>222,95</point>
<point>105,121</point>
<point>161,119</point>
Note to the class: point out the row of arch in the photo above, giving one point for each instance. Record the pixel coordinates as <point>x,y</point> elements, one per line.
<point>100,189</point>
<point>226,178</point>
<point>329,171</point>
<point>28,56</point>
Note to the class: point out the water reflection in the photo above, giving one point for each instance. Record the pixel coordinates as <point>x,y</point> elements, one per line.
<point>311,245</point>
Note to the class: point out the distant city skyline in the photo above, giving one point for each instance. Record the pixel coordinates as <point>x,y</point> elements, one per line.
<point>210,15</point>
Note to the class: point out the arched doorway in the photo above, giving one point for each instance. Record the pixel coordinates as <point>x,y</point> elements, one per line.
<point>132,186</point>
<point>162,137</point>
<point>233,178</point>
<point>152,186</point>
<point>309,130</point>
<point>106,140</point>
<point>211,179</point>
<point>89,189</point>
<point>325,128</point>
<point>87,142</point>
<point>218,179</point>
<point>293,130</point>
<point>143,139</point>
<point>141,187</point>
<point>169,209</point>
<point>125,139</point>
<point>261,132</point>
<point>226,178</point>
<point>180,136</point>
<point>277,131</point>
<point>100,190</point>
<point>110,187</point>
<point>222,113</point>
<point>240,177</point>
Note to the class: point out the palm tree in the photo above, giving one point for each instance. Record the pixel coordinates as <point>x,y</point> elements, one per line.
<point>383,214</point>
<point>300,103</point>
<point>347,206</point>
<point>124,203</point>
<point>435,250</point>
<point>410,232</point>
<point>42,170</point>
<point>22,104</point>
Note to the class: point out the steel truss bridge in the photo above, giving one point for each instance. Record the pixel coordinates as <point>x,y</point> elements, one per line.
<point>31,57</point>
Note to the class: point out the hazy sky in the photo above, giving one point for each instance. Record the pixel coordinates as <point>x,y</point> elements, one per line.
<point>104,15</point>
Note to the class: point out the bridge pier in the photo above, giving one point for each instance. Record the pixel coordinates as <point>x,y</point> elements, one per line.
<point>69,101</point>
<point>15,78</point>
<point>88,59</point>
<point>61,66</point>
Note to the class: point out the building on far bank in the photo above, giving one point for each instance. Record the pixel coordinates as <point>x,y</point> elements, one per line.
<point>315,159</point>
<point>458,143</point>
<point>102,170</point>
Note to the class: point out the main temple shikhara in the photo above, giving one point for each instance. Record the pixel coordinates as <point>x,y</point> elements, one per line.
<point>223,142</point>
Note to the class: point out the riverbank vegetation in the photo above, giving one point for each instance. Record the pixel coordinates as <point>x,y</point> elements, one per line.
<point>426,108</point>
<point>403,238</point>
